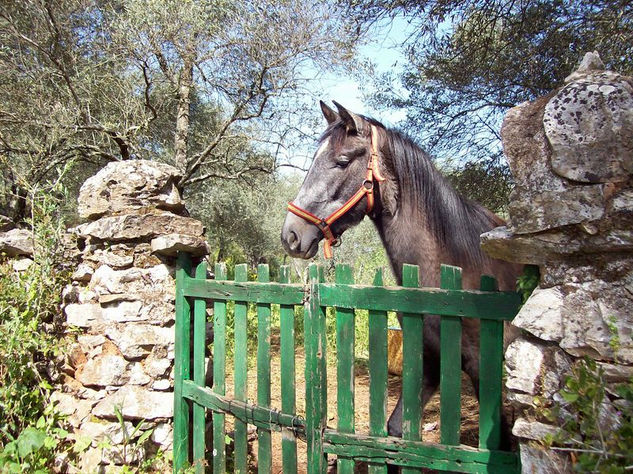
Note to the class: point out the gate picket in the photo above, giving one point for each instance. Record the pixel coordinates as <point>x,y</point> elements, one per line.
<point>411,453</point>
<point>264,453</point>
<point>240,381</point>
<point>378,376</point>
<point>490,376</point>
<point>219,374</point>
<point>199,343</point>
<point>345,341</point>
<point>450,363</point>
<point>288,390</point>
<point>412,366</point>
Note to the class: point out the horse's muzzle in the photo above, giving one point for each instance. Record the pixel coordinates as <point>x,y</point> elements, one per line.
<point>299,238</point>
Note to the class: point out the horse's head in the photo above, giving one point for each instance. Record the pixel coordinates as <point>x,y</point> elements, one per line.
<point>338,190</point>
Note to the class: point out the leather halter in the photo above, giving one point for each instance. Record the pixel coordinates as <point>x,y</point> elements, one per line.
<point>366,189</point>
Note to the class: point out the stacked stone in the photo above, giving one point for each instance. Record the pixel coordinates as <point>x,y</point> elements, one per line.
<point>121,307</point>
<point>16,244</point>
<point>571,154</point>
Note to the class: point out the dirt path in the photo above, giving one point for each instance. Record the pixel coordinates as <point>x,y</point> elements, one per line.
<point>431,413</point>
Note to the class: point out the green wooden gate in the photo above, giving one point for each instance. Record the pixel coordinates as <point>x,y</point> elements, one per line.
<point>192,399</point>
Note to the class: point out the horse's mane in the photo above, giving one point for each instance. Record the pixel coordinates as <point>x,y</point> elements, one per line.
<point>455,220</point>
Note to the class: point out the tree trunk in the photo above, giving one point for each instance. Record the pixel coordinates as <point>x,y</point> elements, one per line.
<point>182,119</point>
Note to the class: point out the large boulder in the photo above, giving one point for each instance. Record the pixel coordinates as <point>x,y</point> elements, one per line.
<point>16,242</point>
<point>123,187</point>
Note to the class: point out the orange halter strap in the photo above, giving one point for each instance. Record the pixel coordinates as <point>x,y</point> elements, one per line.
<point>366,189</point>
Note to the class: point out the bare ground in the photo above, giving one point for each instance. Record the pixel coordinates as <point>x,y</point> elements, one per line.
<point>431,432</point>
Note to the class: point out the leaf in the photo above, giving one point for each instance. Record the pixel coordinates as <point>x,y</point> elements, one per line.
<point>29,441</point>
<point>81,444</point>
<point>144,437</point>
<point>570,397</point>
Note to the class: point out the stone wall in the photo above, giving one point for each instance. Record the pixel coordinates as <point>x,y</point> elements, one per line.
<point>120,306</point>
<point>571,154</point>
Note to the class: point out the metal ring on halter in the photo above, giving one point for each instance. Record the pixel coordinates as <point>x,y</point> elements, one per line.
<point>368,184</point>
<point>337,242</point>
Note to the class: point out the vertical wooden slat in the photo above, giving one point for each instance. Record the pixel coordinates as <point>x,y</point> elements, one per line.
<point>199,343</point>
<point>219,374</point>
<point>345,339</point>
<point>288,386</point>
<point>378,375</point>
<point>315,375</point>
<point>412,346</point>
<point>240,381</point>
<point>490,376</point>
<point>264,449</point>
<point>181,365</point>
<point>450,363</point>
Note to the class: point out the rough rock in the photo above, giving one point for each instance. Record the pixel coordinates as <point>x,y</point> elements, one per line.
<point>534,369</point>
<point>171,244</point>
<point>6,223</point>
<point>130,227</point>
<point>541,210</point>
<point>533,429</point>
<point>104,370</point>
<point>16,242</point>
<point>83,315</point>
<point>130,186</point>
<point>594,314</point>
<point>137,403</point>
<point>132,282</point>
<point>21,264</point>
<point>137,340</point>
<point>541,314</point>
<point>83,272</point>
<point>589,125</point>
<point>108,431</point>
<point>537,460</point>
<point>123,311</point>
<point>523,365</point>
<point>163,435</point>
<point>549,247</point>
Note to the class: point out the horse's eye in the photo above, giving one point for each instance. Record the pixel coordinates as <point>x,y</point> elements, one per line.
<point>342,161</point>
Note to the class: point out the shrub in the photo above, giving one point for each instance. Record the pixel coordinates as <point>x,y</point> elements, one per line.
<point>30,429</point>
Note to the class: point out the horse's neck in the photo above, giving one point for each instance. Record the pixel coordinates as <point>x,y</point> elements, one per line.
<point>406,242</point>
<point>407,239</point>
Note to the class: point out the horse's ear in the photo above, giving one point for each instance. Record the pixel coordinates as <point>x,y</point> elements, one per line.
<point>353,122</point>
<point>328,113</point>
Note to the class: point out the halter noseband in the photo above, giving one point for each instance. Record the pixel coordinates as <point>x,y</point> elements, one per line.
<point>366,189</point>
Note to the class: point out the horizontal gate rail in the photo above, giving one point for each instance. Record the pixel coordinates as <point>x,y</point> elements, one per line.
<point>465,303</point>
<point>247,291</point>
<point>193,400</point>
<point>256,415</point>
<point>418,454</point>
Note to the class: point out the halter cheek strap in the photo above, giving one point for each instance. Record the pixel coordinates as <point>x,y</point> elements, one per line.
<point>366,189</point>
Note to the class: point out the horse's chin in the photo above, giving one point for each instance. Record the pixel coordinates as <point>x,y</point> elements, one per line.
<point>312,250</point>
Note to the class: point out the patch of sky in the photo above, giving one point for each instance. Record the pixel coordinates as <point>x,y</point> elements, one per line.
<point>380,53</point>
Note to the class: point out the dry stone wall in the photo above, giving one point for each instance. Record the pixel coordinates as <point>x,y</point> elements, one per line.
<point>571,213</point>
<point>120,305</point>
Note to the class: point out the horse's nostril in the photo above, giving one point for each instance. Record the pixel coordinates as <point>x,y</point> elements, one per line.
<point>293,240</point>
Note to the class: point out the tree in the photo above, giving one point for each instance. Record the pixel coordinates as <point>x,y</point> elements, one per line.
<point>470,61</point>
<point>183,81</point>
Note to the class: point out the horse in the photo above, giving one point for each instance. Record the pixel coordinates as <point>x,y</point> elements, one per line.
<point>360,169</point>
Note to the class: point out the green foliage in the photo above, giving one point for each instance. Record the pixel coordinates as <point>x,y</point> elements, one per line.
<point>469,61</point>
<point>601,441</point>
<point>30,429</point>
<point>487,185</point>
<point>528,281</point>
<point>243,219</point>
